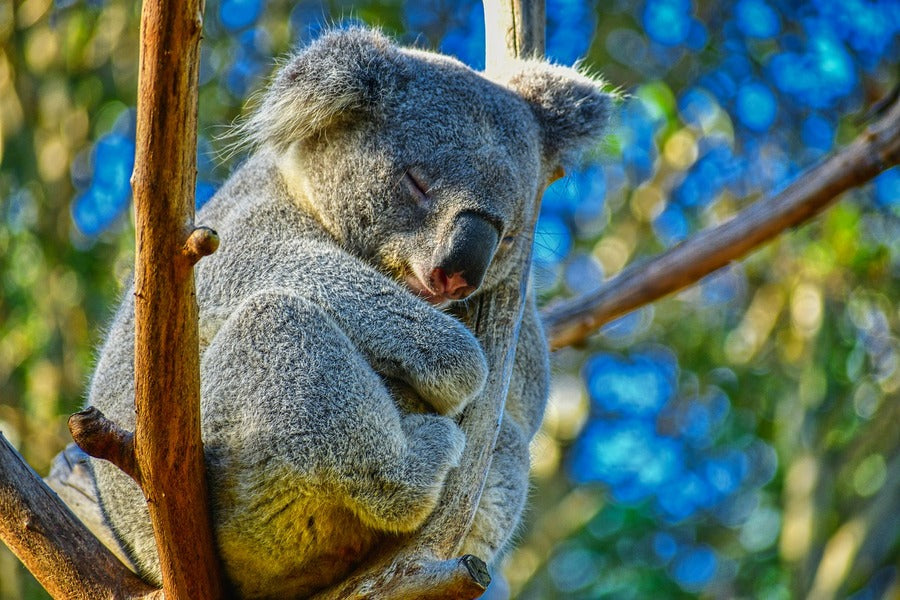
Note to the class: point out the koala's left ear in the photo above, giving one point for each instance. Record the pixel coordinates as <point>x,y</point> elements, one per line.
<point>571,109</point>
<point>343,75</point>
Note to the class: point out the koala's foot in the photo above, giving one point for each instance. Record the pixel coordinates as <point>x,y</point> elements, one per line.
<point>402,496</point>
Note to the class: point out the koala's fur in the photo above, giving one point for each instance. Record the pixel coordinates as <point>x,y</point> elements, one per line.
<point>311,344</point>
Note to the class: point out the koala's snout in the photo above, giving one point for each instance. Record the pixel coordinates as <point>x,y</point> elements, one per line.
<point>460,262</point>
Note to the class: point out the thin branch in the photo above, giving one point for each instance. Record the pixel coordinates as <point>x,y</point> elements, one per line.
<point>53,544</point>
<point>102,438</point>
<point>873,151</point>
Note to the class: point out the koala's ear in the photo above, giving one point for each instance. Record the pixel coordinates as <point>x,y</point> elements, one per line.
<point>572,109</point>
<point>342,75</point>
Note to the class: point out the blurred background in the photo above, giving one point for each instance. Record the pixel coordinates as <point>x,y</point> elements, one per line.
<point>738,440</point>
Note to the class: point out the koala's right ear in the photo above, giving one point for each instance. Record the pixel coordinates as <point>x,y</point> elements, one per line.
<point>339,76</point>
<point>572,109</point>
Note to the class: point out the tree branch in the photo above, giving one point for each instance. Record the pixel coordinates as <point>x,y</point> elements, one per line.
<point>102,438</point>
<point>873,151</point>
<point>168,452</point>
<point>53,544</point>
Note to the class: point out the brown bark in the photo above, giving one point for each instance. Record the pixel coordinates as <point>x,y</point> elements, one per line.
<point>168,449</point>
<point>873,151</point>
<point>53,544</point>
<point>102,438</point>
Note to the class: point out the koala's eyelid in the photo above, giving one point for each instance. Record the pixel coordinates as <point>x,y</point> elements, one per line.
<point>416,184</point>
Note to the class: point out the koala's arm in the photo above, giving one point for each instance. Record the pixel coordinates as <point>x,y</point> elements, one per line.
<point>402,337</point>
<point>506,486</point>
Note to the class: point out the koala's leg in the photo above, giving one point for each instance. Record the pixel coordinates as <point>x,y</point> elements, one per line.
<point>294,418</point>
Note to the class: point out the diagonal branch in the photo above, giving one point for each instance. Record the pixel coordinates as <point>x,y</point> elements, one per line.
<point>53,544</point>
<point>873,151</point>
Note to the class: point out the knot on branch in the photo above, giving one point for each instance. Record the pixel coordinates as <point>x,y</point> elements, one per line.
<point>102,438</point>
<point>478,570</point>
<point>203,241</point>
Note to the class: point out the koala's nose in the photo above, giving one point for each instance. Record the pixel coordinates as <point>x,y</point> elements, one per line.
<point>462,259</point>
<point>453,286</point>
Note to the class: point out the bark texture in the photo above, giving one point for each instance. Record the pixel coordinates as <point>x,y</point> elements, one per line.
<point>53,544</point>
<point>167,446</point>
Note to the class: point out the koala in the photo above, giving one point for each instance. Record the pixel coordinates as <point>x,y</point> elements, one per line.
<point>385,186</point>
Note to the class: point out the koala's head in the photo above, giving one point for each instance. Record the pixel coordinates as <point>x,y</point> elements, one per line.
<point>415,162</point>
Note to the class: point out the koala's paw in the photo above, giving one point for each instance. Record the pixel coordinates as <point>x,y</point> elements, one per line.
<point>436,443</point>
<point>452,373</point>
<point>404,499</point>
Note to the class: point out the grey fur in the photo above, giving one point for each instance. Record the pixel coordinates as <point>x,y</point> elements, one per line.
<point>328,389</point>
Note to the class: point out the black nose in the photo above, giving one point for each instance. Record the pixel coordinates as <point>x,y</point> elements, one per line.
<point>462,258</point>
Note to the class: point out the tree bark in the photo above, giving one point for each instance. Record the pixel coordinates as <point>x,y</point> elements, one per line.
<point>53,544</point>
<point>167,445</point>
<point>873,151</point>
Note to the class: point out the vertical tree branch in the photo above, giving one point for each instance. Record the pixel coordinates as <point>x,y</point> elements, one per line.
<point>168,449</point>
<point>497,316</point>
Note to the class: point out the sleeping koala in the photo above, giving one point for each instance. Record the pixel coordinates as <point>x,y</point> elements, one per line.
<point>385,186</point>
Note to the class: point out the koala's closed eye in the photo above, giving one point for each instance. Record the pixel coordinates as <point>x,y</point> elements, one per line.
<point>414,182</point>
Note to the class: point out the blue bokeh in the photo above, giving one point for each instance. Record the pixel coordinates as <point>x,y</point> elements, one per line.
<point>755,106</point>
<point>109,192</point>
<point>667,21</point>
<point>671,226</point>
<point>637,386</point>
<point>817,133</point>
<point>465,40</point>
<point>570,28</point>
<point>756,18</point>
<point>887,187</point>
<point>694,568</point>
<point>664,546</point>
<point>552,240</point>
<point>239,14</point>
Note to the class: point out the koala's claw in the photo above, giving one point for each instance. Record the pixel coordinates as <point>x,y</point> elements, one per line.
<point>435,442</point>
<point>410,494</point>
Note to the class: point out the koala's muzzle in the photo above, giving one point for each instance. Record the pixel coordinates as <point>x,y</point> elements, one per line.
<point>462,259</point>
